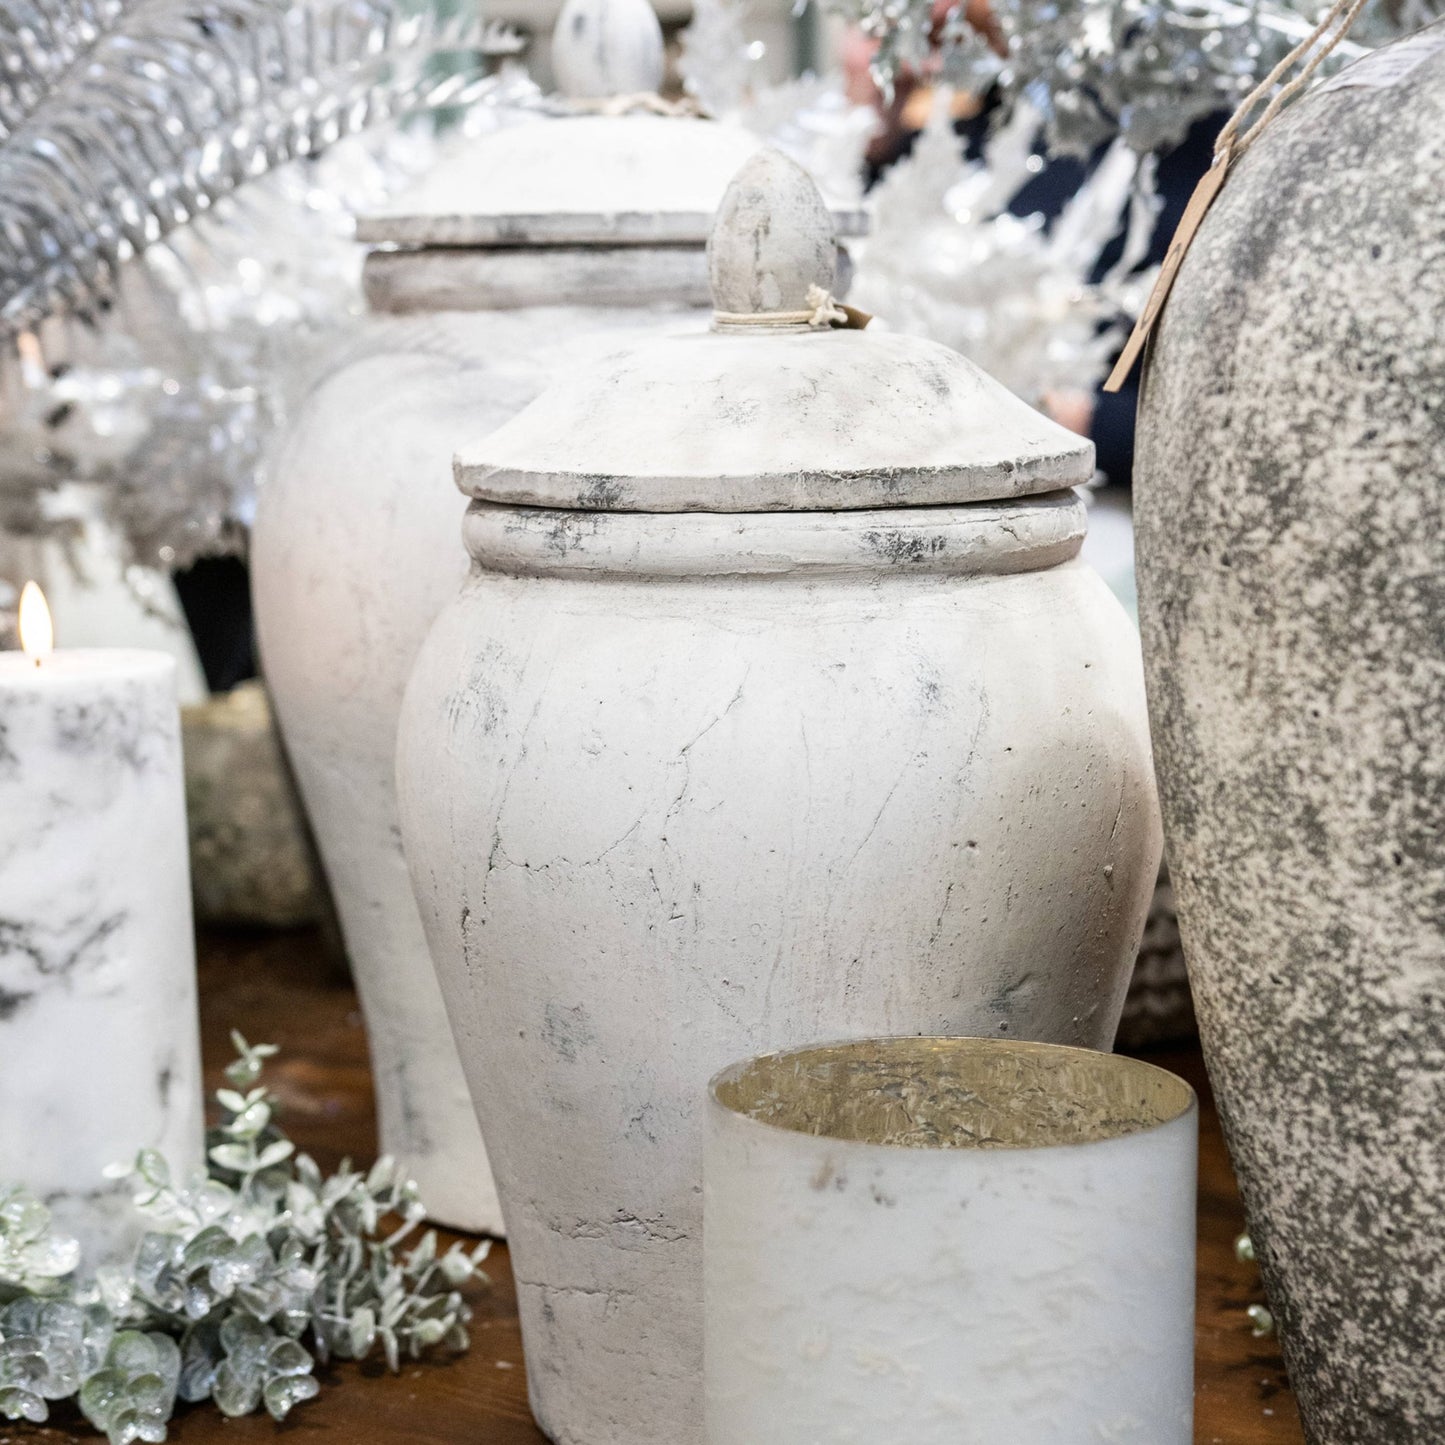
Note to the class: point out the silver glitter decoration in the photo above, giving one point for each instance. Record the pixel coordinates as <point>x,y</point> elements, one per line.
<point>716,58</point>
<point>170,398</point>
<point>120,122</point>
<point>163,269</point>
<point>1145,70</point>
<point>948,261</point>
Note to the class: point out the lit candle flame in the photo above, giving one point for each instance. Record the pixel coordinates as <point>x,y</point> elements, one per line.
<point>37,632</point>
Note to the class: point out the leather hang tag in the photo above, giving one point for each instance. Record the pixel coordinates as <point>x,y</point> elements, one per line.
<point>1194,213</point>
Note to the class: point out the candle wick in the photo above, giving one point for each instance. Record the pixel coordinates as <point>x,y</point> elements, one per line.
<point>37,662</point>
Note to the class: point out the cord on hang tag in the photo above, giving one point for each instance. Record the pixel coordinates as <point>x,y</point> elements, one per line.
<point>1232,144</point>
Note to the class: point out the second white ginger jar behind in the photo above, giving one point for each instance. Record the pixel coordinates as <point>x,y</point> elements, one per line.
<point>542,242</point>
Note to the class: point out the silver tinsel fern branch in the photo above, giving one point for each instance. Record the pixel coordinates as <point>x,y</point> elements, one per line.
<point>121,121</point>
<point>42,43</point>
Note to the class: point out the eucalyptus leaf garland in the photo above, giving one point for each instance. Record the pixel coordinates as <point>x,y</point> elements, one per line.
<point>248,1276</point>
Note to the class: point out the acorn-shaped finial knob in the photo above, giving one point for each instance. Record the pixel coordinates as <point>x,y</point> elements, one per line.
<point>773,252</point>
<point>602,48</point>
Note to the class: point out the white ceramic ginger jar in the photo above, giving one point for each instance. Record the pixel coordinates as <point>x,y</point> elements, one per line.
<point>543,241</point>
<point>777,706</point>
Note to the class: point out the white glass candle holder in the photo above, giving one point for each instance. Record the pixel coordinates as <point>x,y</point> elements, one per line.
<point>949,1242</point>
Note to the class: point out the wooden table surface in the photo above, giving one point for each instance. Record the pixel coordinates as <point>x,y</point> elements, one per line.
<point>280,988</point>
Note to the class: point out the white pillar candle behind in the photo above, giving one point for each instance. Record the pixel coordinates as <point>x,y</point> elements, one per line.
<point>99,1044</point>
<point>949,1242</point>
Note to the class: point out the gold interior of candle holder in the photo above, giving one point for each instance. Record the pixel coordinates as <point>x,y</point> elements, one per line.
<point>954,1093</point>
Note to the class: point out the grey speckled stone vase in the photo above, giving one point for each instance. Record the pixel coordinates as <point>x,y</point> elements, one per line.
<point>1292,584</point>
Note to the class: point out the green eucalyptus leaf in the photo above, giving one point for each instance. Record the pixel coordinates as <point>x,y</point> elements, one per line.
<point>286,1357</point>
<point>152,1167</point>
<point>97,1332</point>
<point>61,1378</point>
<point>275,1153</point>
<point>17,1403</point>
<point>292,1322</point>
<point>20,1317</point>
<point>153,1258</point>
<point>199,1300</point>
<point>264,1299</point>
<point>200,1355</point>
<point>363,1332</point>
<point>245,1340</point>
<point>21,1362</point>
<point>455,1267</point>
<point>150,1395</point>
<point>381,1173</point>
<point>246,1263</point>
<point>99,1395</point>
<point>286,1391</point>
<point>393,1307</point>
<point>211,1244</point>
<point>243,1072</point>
<point>238,1158</point>
<point>213,1201</point>
<point>125,1426</point>
<point>251,1121</point>
<point>34,1259</point>
<point>132,1352</point>
<point>236,1391</point>
<point>390,1347</point>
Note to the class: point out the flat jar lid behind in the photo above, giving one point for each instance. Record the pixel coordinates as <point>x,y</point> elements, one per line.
<point>575,180</point>
<point>596,209</point>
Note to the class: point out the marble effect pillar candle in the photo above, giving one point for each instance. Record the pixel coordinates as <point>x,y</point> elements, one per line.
<point>99,1045</point>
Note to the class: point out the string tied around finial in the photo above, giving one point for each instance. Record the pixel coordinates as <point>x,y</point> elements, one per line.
<point>641,102</point>
<point>824,312</point>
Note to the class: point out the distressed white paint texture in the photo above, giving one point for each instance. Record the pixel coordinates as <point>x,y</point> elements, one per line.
<point>772,243</point>
<point>657,823</point>
<point>99,1043</point>
<point>358,544</point>
<point>681,786</point>
<point>860,1292</point>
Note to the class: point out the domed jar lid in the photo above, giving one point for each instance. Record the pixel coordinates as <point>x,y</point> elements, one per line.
<point>782,406</point>
<point>615,172</point>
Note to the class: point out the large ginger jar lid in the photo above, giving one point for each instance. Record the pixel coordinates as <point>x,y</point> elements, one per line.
<point>783,406</point>
<point>615,172</point>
